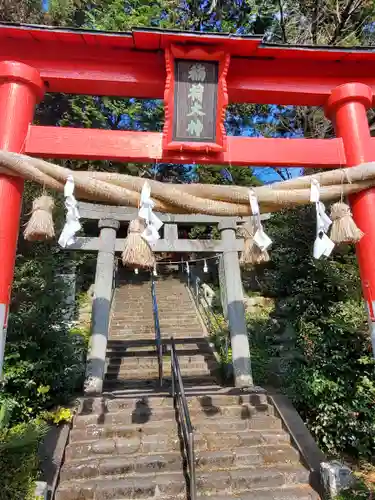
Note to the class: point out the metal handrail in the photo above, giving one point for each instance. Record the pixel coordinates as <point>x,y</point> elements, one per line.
<point>208,315</point>
<point>158,342</point>
<point>180,403</point>
<point>114,279</point>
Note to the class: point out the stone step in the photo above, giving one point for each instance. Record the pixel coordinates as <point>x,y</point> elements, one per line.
<point>126,370</point>
<point>179,315</point>
<point>193,383</point>
<point>247,456</point>
<point>142,412</point>
<point>190,330</point>
<point>205,460</point>
<point>164,314</point>
<point>173,312</point>
<point>200,341</point>
<point>99,405</point>
<point>149,339</point>
<point>149,330</point>
<point>161,291</point>
<point>117,487</point>
<point>294,492</point>
<point>164,289</point>
<point>180,336</point>
<point>123,465</point>
<point>203,374</point>
<point>204,438</point>
<point>128,366</point>
<point>139,415</point>
<point>135,445</point>
<point>103,404</point>
<point>124,348</point>
<point>146,361</point>
<point>143,389</point>
<point>251,477</point>
<point>210,439</point>
<point>206,434</point>
<point>97,431</point>
<point>226,423</point>
<point>201,416</point>
<point>167,305</point>
<point>190,350</point>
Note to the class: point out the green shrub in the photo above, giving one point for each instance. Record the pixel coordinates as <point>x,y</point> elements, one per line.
<point>259,328</point>
<point>331,375</point>
<point>58,416</point>
<point>18,456</point>
<point>359,491</point>
<point>334,387</point>
<point>44,362</point>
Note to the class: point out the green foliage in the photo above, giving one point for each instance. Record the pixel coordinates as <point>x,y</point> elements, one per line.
<point>58,416</point>
<point>214,175</point>
<point>44,362</point>
<point>331,378</point>
<point>83,333</point>
<point>18,455</point>
<point>360,491</point>
<point>117,15</point>
<point>258,328</point>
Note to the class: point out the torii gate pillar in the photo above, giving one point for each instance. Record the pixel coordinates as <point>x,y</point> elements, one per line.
<point>347,107</point>
<point>236,309</point>
<point>20,88</point>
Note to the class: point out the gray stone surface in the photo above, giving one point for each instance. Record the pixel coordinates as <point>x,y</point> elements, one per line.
<point>103,289</point>
<point>93,244</point>
<point>95,211</point>
<point>235,308</point>
<point>336,477</point>
<point>51,453</point>
<point>41,490</point>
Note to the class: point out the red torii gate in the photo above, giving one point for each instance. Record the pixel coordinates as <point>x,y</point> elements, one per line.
<point>34,60</point>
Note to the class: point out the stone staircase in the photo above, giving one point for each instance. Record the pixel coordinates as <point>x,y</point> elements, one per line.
<point>127,444</point>
<point>131,352</point>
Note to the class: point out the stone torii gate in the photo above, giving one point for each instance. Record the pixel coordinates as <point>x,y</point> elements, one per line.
<point>107,244</point>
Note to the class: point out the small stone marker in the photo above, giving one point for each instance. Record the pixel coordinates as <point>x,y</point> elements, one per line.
<point>41,490</point>
<point>336,477</point>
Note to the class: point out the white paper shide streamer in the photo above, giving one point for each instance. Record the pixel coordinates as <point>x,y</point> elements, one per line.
<point>72,224</point>
<point>153,223</point>
<point>323,245</point>
<point>260,238</point>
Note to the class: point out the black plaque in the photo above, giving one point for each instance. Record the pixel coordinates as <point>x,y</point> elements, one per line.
<point>195,101</point>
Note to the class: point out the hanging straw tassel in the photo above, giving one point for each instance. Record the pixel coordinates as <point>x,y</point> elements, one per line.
<point>40,225</point>
<point>343,229</point>
<point>137,252</point>
<point>251,253</point>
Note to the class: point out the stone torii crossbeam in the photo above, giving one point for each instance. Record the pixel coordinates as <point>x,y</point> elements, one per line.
<point>106,245</point>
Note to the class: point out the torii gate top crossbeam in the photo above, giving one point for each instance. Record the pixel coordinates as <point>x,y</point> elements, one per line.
<point>132,63</point>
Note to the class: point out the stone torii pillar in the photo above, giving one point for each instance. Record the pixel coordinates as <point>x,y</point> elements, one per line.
<point>101,306</point>
<point>236,309</point>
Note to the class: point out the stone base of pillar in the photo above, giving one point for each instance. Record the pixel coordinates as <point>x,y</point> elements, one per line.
<point>93,385</point>
<point>244,381</point>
